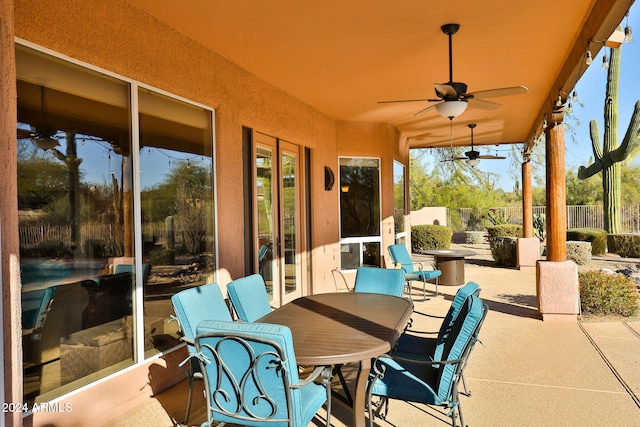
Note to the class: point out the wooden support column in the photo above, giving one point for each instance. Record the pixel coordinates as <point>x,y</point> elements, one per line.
<point>556,215</point>
<point>9,242</point>
<point>528,246</point>
<point>556,278</point>
<point>527,200</point>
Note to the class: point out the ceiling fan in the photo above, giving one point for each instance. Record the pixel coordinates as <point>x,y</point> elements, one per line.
<point>42,135</point>
<point>472,157</point>
<point>452,97</point>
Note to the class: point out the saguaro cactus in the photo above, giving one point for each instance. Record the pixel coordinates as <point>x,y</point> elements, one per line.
<point>607,157</point>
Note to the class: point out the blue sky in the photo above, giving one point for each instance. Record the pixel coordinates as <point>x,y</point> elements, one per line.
<point>591,92</point>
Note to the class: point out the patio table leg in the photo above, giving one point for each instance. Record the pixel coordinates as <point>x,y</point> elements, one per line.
<point>361,391</point>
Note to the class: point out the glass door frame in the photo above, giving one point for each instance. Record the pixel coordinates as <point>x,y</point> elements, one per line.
<point>279,245</point>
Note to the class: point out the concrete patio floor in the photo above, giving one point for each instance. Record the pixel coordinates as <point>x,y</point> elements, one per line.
<point>526,373</point>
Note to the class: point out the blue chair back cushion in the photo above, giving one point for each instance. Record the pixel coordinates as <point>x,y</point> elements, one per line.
<point>194,305</point>
<point>389,281</point>
<point>249,297</point>
<point>462,333</point>
<point>248,369</point>
<point>471,288</point>
<point>400,255</point>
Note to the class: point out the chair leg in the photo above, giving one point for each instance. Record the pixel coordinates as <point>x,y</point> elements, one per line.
<point>186,416</point>
<point>326,377</point>
<point>464,386</point>
<point>408,286</point>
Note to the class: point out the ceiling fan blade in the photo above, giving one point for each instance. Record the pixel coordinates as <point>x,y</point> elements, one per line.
<point>505,91</point>
<point>424,110</point>
<point>491,157</point>
<point>408,100</point>
<point>460,158</point>
<point>482,104</point>
<point>446,90</point>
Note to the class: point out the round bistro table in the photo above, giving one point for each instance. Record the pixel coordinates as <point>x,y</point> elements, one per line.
<point>338,328</point>
<point>451,264</point>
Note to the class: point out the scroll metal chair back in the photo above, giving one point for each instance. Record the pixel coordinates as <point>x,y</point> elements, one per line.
<point>389,281</point>
<point>249,297</point>
<point>414,271</point>
<point>432,382</point>
<point>251,376</point>
<point>192,306</point>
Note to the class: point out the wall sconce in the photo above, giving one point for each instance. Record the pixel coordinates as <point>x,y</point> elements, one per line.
<point>329,178</point>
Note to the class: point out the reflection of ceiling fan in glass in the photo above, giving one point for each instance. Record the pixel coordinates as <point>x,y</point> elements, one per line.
<point>472,157</point>
<point>42,135</point>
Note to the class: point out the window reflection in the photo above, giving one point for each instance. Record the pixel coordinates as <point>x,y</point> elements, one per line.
<point>176,182</point>
<point>77,213</point>
<point>75,224</point>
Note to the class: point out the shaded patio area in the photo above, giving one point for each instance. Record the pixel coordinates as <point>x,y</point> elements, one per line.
<point>526,373</point>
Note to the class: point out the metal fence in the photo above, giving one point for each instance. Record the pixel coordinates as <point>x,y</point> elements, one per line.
<point>577,217</point>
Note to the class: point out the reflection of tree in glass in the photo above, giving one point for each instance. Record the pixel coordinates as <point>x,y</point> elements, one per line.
<point>42,180</point>
<point>190,197</point>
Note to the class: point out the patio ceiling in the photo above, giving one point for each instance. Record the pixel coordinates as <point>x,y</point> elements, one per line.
<point>342,57</point>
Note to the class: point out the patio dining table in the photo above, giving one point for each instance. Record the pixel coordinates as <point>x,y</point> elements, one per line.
<point>339,328</point>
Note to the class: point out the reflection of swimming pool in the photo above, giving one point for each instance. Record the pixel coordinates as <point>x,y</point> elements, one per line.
<point>44,271</point>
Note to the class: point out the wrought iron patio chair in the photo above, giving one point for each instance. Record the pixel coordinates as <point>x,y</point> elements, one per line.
<point>192,306</point>
<point>249,297</point>
<point>413,345</point>
<point>413,271</point>
<point>433,382</point>
<point>389,281</point>
<point>251,376</point>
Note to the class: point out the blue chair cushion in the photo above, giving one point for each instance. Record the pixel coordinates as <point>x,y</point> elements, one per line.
<point>305,401</point>
<point>408,382</point>
<point>386,281</point>
<point>194,305</point>
<point>424,348</point>
<point>464,326</point>
<point>249,297</point>
<point>431,383</point>
<point>400,255</point>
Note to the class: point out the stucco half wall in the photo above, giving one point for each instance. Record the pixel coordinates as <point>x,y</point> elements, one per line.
<point>429,216</point>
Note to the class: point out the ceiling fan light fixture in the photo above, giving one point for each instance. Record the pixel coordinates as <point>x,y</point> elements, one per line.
<point>451,109</point>
<point>472,162</point>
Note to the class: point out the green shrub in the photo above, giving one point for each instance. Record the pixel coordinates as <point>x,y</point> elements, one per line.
<point>579,252</point>
<point>596,236</point>
<point>162,256</point>
<point>430,237</point>
<point>474,237</point>
<point>504,251</point>
<point>509,230</point>
<point>627,245</point>
<point>607,294</point>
